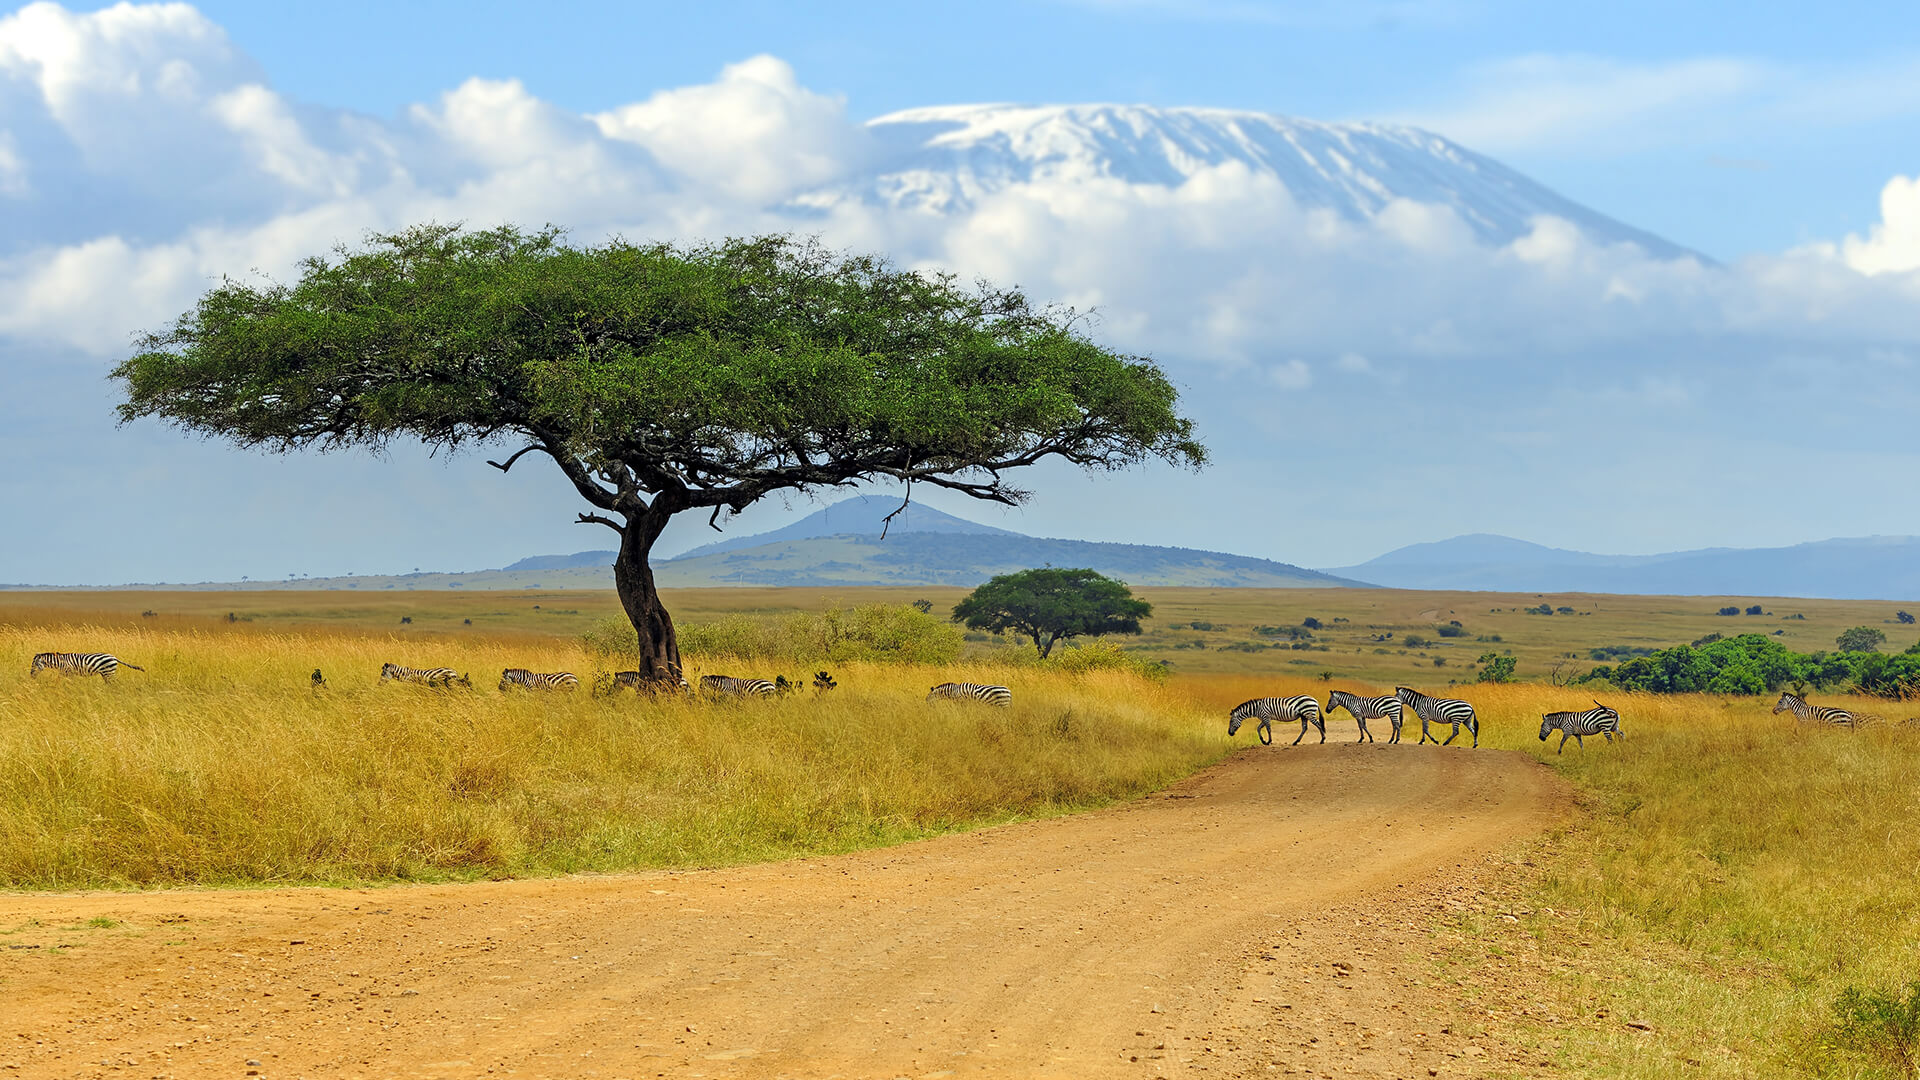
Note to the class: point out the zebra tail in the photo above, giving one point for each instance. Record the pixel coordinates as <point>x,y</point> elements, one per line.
<point>135,667</point>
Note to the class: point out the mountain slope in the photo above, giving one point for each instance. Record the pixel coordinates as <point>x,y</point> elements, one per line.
<point>1869,568</point>
<point>967,559</point>
<point>945,159</point>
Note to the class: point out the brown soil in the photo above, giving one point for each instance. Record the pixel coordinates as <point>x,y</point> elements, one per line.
<point>1268,916</point>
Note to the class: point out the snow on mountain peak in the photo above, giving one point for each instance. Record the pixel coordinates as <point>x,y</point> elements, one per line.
<point>946,159</point>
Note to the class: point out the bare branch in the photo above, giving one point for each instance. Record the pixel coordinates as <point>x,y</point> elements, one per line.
<point>713,522</point>
<point>596,519</point>
<point>887,522</point>
<point>517,455</point>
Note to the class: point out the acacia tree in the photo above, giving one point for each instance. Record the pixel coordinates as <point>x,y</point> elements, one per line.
<point>660,378</point>
<point>1048,604</point>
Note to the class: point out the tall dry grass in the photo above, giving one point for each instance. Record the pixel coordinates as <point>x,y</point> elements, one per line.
<point>1730,875</point>
<point>218,764</point>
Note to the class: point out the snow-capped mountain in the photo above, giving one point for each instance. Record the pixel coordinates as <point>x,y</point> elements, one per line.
<point>946,159</point>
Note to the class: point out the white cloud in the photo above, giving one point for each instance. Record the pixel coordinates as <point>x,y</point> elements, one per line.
<point>756,134</point>
<point>1892,245</point>
<point>1290,375</point>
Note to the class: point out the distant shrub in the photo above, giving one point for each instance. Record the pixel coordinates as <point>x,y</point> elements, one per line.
<point>1542,609</point>
<point>1729,611</point>
<point>1707,640</point>
<point>1797,615</point>
<point>1242,646</point>
<point>1439,661</point>
<point>1312,623</point>
<point>1291,633</point>
<point>1452,629</point>
<point>1415,641</point>
<point>1198,625</point>
<point>1619,652</point>
<point>1563,610</point>
<point>924,607</point>
<point>1495,668</point>
<point>1904,618</point>
<point>880,632</point>
<point>1861,639</point>
<point>1754,610</point>
<point>1102,656</point>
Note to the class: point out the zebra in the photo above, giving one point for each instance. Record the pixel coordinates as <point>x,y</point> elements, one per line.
<point>1432,710</point>
<point>1822,714</point>
<point>1305,708</point>
<point>1368,708</point>
<point>80,663</point>
<point>537,680</point>
<point>966,691</point>
<point>1599,720</point>
<point>319,681</point>
<point>727,685</point>
<point>440,678</point>
<point>823,681</point>
<point>640,684</point>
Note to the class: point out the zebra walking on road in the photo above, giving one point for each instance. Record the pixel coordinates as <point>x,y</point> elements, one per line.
<point>1304,708</point>
<point>80,663</point>
<point>1599,720</point>
<point>729,686</point>
<point>440,678</point>
<point>1368,708</point>
<point>966,691</point>
<point>1820,714</point>
<point>537,680</point>
<point>1433,710</point>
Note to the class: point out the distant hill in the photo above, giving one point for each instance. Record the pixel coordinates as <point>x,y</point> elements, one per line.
<point>1866,568</point>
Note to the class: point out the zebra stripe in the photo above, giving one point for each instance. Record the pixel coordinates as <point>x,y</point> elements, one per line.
<point>1599,720</point>
<point>1433,710</point>
<point>966,691</point>
<point>438,677</point>
<point>1819,714</point>
<point>537,680</point>
<point>1364,709</point>
<point>80,663</point>
<point>640,684</point>
<point>1304,708</point>
<point>727,684</point>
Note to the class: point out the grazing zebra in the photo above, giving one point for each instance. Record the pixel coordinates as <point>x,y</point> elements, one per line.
<point>727,685</point>
<point>1305,708</point>
<point>823,681</point>
<point>1821,714</point>
<point>1432,710</point>
<point>1599,720</point>
<point>1368,708</point>
<point>966,691</point>
<point>537,680</point>
<point>640,684</point>
<point>319,681</point>
<point>440,678</point>
<point>80,663</point>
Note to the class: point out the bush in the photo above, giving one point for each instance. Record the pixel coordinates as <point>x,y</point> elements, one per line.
<point>1198,625</point>
<point>1563,611</point>
<point>1102,656</point>
<point>1878,1027</point>
<point>876,632</point>
<point>1312,623</point>
<point>1729,611</point>
<point>1543,609</point>
<point>1415,641</point>
<point>1754,610</point>
<point>1291,633</point>
<point>1707,640</point>
<point>1451,630</point>
<point>1495,668</point>
<point>1905,618</point>
<point>1861,639</point>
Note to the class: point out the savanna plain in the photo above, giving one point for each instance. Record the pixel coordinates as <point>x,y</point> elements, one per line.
<point>1721,893</point>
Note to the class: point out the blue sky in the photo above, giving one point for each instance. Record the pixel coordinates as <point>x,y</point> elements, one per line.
<point>1363,386</point>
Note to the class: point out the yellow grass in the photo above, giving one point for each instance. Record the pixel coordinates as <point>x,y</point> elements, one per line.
<point>1730,873</point>
<point>219,765</point>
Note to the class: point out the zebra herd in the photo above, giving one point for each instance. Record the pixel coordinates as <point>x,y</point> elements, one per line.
<point>446,678</point>
<point>1828,714</point>
<point>1599,720</point>
<point>1307,709</point>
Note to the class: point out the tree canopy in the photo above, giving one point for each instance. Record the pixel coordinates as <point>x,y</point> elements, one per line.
<point>1048,605</point>
<point>659,378</point>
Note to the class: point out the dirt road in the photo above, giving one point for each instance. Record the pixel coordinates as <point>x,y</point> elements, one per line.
<point>1261,918</point>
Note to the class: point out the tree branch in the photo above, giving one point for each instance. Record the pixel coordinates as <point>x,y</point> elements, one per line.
<point>517,455</point>
<point>596,519</point>
<point>887,522</point>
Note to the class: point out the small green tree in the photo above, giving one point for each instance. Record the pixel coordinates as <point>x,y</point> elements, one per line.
<point>1861,639</point>
<point>1049,604</point>
<point>1496,668</point>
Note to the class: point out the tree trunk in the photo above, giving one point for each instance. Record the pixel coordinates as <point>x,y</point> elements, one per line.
<point>633,578</point>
